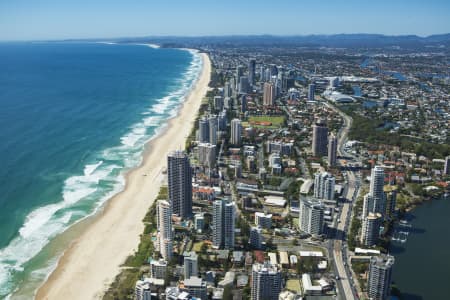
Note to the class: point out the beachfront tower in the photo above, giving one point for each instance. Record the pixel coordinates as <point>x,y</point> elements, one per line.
<point>379,281</point>
<point>179,175</point>
<point>213,125</point>
<point>203,130</point>
<point>164,224</point>
<point>320,139</point>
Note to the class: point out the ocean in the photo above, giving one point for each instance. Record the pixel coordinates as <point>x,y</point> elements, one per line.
<point>74,118</point>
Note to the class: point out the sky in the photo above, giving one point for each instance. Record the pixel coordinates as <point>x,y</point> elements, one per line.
<point>66,19</point>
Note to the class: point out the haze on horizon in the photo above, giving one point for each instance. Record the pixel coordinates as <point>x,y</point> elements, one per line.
<point>66,19</point>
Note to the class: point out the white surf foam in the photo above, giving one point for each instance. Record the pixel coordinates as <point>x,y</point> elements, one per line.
<point>45,222</point>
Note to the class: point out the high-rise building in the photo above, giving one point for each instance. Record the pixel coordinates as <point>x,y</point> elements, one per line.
<point>227,90</point>
<point>370,229</point>
<point>207,155</point>
<point>268,94</point>
<point>222,121</point>
<point>190,264</point>
<point>199,221</point>
<point>142,290</point>
<point>447,166</point>
<point>379,279</point>
<point>223,224</point>
<point>320,139</point>
<point>263,220</point>
<point>390,196</point>
<point>256,238</point>
<point>266,281</point>
<point>203,130</point>
<point>311,91</point>
<point>164,224</point>
<point>376,189</point>
<point>324,186</point>
<point>212,122</point>
<point>158,269</point>
<point>332,150</point>
<point>179,174</point>
<point>196,287</point>
<point>368,205</point>
<point>166,248</point>
<point>218,103</point>
<point>243,85</point>
<point>236,132</point>
<point>251,71</point>
<point>311,216</point>
<point>239,73</point>
<point>244,104</point>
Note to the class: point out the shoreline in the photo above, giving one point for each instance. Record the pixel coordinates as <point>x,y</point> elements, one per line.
<point>91,262</point>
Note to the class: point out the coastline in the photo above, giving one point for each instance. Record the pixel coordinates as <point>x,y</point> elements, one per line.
<point>92,261</point>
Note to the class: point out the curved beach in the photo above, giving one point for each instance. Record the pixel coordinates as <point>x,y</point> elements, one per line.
<point>91,263</point>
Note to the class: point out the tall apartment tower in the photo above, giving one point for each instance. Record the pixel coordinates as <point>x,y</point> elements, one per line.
<point>223,224</point>
<point>256,238</point>
<point>370,229</point>
<point>268,94</point>
<point>324,186</point>
<point>311,91</point>
<point>320,139</point>
<point>212,124</point>
<point>332,150</point>
<point>190,264</point>
<point>380,273</point>
<point>244,104</point>
<point>236,132</point>
<point>239,73</point>
<point>243,85</point>
<point>447,166</point>
<point>266,281</point>
<point>251,71</point>
<point>203,130</point>
<point>376,189</point>
<point>164,224</point>
<point>390,196</point>
<point>207,155</point>
<point>179,174</point>
<point>311,216</point>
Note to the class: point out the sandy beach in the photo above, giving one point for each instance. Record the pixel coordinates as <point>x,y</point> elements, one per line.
<point>93,260</point>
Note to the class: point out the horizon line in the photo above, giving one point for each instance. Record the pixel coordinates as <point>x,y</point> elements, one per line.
<point>223,36</point>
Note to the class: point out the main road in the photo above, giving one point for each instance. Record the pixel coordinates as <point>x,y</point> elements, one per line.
<point>338,245</point>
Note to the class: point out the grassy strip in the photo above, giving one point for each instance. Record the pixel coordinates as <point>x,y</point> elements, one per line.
<point>135,265</point>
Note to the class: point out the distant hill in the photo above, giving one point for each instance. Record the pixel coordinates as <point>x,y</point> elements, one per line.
<point>335,40</point>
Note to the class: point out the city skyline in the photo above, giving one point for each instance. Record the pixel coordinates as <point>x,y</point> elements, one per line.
<point>20,20</point>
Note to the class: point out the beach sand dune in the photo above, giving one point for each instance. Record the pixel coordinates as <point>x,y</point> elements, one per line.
<point>93,260</point>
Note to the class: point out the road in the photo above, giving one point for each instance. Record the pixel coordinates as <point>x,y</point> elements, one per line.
<point>338,246</point>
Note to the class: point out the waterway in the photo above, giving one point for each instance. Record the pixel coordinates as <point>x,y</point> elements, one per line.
<point>422,263</point>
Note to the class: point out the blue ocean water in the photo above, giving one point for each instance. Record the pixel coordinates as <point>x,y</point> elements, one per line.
<point>74,117</point>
